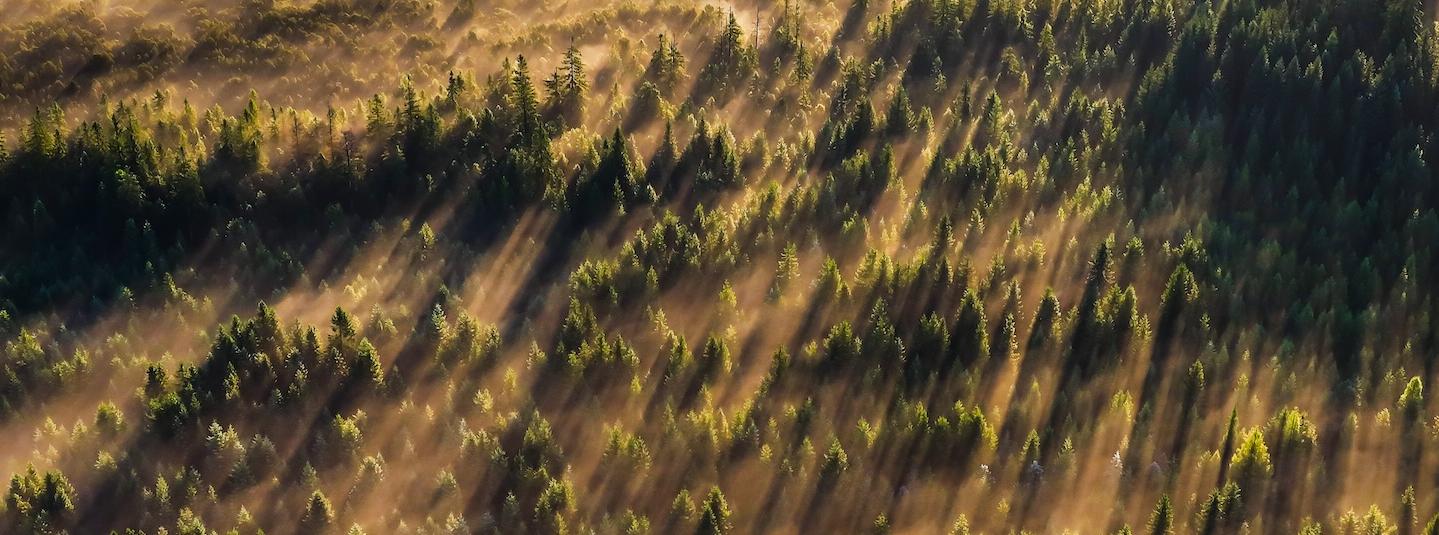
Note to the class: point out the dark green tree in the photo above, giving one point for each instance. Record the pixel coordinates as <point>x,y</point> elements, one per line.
<point>568,89</point>
<point>715,514</point>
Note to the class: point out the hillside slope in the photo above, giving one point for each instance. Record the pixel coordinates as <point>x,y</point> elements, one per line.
<point>490,266</point>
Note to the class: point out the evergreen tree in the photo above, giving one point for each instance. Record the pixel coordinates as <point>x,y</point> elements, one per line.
<point>715,514</point>
<point>40,504</point>
<point>318,514</point>
<point>900,120</point>
<point>970,336</point>
<point>529,129</point>
<point>1161,522</point>
<point>666,68</point>
<point>1045,318</point>
<point>616,183</point>
<point>731,64</point>
<point>569,88</point>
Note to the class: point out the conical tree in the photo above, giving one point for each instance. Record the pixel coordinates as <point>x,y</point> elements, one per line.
<point>715,515</point>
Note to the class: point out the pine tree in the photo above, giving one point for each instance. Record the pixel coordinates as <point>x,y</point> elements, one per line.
<point>731,64</point>
<point>528,167</point>
<point>714,358</point>
<point>318,513</point>
<point>366,372</point>
<point>663,162</point>
<point>1411,401</point>
<point>1005,344</point>
<point>1181,290</point>
<point>615,182</point>
<point>529,129</point>
<point>787,40</point>
<point>667,66</point>
<point>342,343</point>
<point>1251,464</point>
<point>40,504</point>
<point>1082,344</point>
<point>715,515</point>
<point>885,349</point>
<point>970,337</point>
<point>568,88</point>
<point>1161,522</point>
<point>841,347</point>
<point>836,461</point>
<point>786,271</point>
<point>930,346</point>
<point>1408,512</point>
<point>900,121</point>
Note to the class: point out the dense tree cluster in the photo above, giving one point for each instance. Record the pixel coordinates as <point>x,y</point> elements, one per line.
<point>910,265</point>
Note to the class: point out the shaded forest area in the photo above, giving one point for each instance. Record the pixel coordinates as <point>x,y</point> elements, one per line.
<point>908,266</point>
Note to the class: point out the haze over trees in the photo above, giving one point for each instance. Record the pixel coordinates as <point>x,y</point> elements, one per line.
<point>891,266</point>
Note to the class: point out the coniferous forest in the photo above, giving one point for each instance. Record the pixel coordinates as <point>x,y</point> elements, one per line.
<point>702,266</point>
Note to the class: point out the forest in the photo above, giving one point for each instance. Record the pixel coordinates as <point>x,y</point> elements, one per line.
<point>719,267</point>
